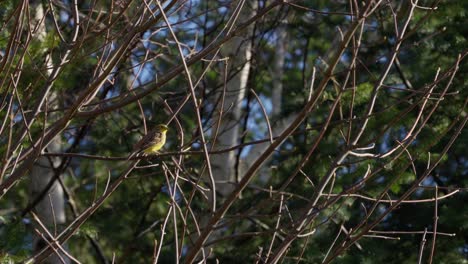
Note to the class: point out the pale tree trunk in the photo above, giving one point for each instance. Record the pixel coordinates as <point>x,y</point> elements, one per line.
<point>279,122</point>
<point>227,120</point>
<point>278,70</point>
<point>239,52</point>
<point>50,209</point>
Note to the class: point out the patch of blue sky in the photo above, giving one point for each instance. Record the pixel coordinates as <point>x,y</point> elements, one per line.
<point>177,197</point>
<point>256,123</point>
<point>64,16</point>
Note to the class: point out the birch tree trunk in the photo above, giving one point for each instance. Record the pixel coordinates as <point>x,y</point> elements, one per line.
<point>280,122</point>
<point>239,52</point>
<point>46,191</point>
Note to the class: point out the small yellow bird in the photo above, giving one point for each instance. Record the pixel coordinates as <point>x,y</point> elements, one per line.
<point>153,141</point>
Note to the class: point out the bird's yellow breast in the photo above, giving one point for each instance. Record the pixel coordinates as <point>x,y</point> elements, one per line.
<point>153,149</point>
<point>157,145</point>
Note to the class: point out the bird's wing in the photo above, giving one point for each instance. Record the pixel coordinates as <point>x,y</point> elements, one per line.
<point>148,140</point>
<point>140,145</point>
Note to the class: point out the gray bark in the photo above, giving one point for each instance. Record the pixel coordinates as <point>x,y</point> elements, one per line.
<point>229,114</point>
<point>51,208</point>
<point>280,123</point>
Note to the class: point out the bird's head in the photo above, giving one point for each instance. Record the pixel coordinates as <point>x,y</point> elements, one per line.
<point>161,127</point>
